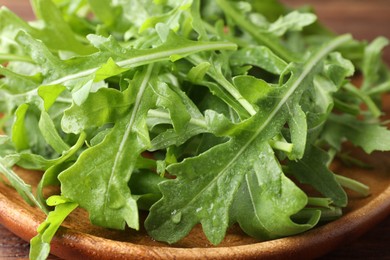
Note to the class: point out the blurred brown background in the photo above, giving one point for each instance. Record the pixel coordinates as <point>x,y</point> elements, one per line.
<point>365,20</point>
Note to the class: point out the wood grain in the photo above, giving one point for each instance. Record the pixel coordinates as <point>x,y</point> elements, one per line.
<point>365,20</point>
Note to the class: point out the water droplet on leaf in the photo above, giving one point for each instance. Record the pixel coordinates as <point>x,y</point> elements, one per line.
<point>176,216</point>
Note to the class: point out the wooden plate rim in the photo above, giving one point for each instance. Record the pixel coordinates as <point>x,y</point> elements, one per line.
<point>69,243</point>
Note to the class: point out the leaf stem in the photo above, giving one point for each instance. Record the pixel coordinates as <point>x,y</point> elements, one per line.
<point>165,115</point>
<point>22,188</point>
<point>13,57</point>
<point>381,88</point>
<point>319,202</point>
<point>245,24</point>
<point>327,214</point>
<point>281,146</point>
<point>151,57</point>
<point>229,87</point>
<point>354,185</point>
<point>375,111</point>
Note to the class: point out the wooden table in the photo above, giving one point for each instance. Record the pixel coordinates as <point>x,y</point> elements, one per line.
<point>366,20</point>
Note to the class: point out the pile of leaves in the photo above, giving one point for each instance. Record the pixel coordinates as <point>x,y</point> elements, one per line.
<point>196,111</point>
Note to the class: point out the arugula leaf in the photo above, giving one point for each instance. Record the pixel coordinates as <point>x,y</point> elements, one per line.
<point>40,244</point>
<point>372,61</point>
<point>169,100</point>
<point>58,72</point>
<point>56,32</point>
<point>56,166</point>
<point>21,187</point>
<point>259,56</point>
<point>18,89</point>
<point>108,106</point>
<point>271,9</point>
<point>257,206</point>
<point>235,100</point>
<point>259,36</point>
<point>123,17</point>
<point>313,170</point>
<point>19,136</point>
<point>106,176</point>
<point>171,218</point>
<point>252,88</point>
<point>10,21</point>
<point>49,132</point>
<point>49,94</point>
<point>371,136</point>
<point>298,131</point>
<point>186,119</point>
<point>293,21</point>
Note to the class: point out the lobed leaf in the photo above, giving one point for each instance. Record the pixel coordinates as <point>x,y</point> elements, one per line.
<point>313,169</point>
<point>266,196</point>
<point>371,136</point>
<point>106,167</point>
<point>206,176</point>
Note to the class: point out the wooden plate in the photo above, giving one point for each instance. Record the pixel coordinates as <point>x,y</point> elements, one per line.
<point>79,239</point>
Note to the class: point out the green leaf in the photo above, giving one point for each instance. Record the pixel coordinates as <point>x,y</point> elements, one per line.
<point>293,21</point>
<point>272,9</point>
<point>259,56</point>
<point>169,100</point>
<point>197,21</point>
<point>173,217</point>
<point>115,16</point>
<point>8,22</point>
<point>32,161</point>
<point>374,110</point>
<point>107,70</point>
<point>170,19</point>
<point>49,94</point>
<point>17,83</point>
<point>233,97</point>
<point>263,205</point>
<point>105,11</point>
<point>313,170</point>
<point>50,65</point>
<point>185,117</point>
<point>197,73</point>
<point>371,136</point>
<point>319,102</point>
<point>105,106</point>
<point>79,71</point>
<point>19,136</point>
<point>18,89</point>
<point>338,68</point>
<point>145,185</point>
<point>50,133</point>
<point>297,124</point>
<point>107,167</point>
<point>59,35</point>
<point>21,187</point>
<point>50,176</point>
<point>261,37</point>
<point>40,244</point>
<point>252,88</point>
<point>7,149</point>
<point>372,62</point>
<point>176,212</point>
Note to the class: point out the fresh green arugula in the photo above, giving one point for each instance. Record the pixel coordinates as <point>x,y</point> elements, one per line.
<point>209,112</point>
